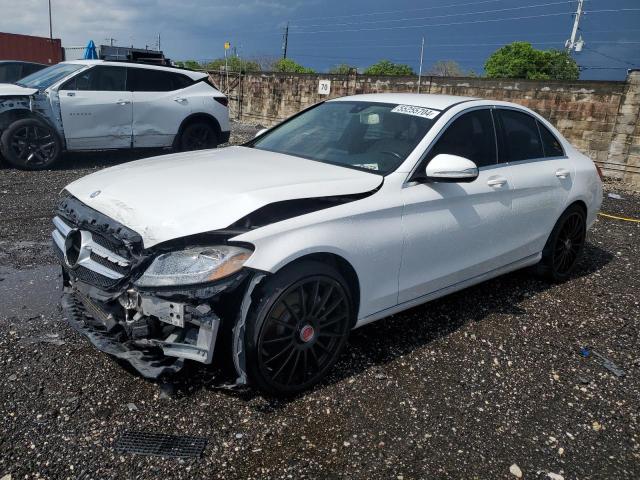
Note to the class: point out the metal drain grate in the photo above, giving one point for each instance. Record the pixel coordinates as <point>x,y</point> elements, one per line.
<point>176,446</point>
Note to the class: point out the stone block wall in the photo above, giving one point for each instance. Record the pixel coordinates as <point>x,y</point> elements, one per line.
<point>599,118</point>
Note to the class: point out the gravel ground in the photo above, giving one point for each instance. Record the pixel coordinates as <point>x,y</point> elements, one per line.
<point>485,383</point>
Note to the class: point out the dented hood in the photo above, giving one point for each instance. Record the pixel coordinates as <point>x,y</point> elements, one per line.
<point>182,194</point>
<point>12,90</point>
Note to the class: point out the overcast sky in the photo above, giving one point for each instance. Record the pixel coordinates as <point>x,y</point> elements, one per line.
<point>328,32</point>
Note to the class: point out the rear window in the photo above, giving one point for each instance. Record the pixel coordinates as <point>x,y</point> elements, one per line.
<point>148,80</point>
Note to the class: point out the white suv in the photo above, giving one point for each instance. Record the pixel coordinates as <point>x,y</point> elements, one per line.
<point>96,105</point>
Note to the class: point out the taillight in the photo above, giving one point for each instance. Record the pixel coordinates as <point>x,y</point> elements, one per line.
<point>224,101</point>
<point>599,170</point>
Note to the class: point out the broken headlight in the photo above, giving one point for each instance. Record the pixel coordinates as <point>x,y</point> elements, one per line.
<point>193,266</point>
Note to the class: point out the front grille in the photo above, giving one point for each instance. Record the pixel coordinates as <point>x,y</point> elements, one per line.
<point>106,249</point>
<point>108,264</point>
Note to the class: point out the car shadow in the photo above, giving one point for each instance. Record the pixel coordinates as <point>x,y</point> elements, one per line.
<point>383,341</point>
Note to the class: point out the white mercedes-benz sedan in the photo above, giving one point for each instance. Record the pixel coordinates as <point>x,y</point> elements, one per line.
<point>354,209</point>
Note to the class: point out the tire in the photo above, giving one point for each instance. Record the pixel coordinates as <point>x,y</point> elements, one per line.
<point>198,136</point>
<point>298,328</point>
<point>30,144</point>
<point>564,246</point>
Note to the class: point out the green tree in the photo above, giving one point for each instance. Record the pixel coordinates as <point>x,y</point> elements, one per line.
<point>235,64</point>
<point>342,69</point>
<point>287,65</point>
<point>386,67</point>
<point>191,64</point>
<point>521,60</point>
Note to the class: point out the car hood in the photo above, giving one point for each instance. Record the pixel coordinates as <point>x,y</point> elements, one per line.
<point>182,194</point>
<point>12,90</point>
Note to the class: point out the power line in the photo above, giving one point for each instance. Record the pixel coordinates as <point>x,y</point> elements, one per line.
<point>401,11</point>
<point>563,2</point>
<point>471,22</point>
<point>611,57</point>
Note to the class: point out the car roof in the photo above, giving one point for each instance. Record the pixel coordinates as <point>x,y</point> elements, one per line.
<point>189,73</point>
<point>439,102</point>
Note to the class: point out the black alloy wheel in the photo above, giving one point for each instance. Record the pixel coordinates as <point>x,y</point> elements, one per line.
<point>565,245</point>
<point>30,144</point>
<point>198,136</point>
<point>301,333</point>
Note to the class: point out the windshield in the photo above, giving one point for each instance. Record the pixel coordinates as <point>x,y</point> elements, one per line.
<point>48,76</point>
<point>370,136</point>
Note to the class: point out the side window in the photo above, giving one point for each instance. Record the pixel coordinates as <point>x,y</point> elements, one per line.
<point>550,144</point>
<point>520,137</point>
<point>10,72</point>
<point>472,136</point>
<point>99,79</point>
<point>147,80</point>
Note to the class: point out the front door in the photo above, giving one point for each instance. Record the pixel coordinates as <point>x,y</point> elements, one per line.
<point>96,109</point>
<point>457,231</point>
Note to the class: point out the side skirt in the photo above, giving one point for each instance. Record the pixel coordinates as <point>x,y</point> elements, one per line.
<point>517,265</point>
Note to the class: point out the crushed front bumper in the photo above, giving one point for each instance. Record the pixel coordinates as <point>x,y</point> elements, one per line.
<point>149,362</point>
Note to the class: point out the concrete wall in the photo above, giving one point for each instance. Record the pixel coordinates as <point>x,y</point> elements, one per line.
<point>599,118</point>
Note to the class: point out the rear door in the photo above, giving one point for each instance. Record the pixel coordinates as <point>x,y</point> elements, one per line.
<point>542,176</point>
<point>457,231</point>
<point>96,109</point>
<point>160,104</point>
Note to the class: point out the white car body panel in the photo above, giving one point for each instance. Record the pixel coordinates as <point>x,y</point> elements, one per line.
<point>94,120</point>
<point>90,120</point>
<point>155,196</point>
<point>407,242</point>
<point>11,90</point>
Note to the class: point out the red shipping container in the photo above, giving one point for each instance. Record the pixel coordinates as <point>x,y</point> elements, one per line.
<point>30,49</point>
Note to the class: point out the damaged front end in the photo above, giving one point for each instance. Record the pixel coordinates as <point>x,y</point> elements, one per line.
<point>152,308</point>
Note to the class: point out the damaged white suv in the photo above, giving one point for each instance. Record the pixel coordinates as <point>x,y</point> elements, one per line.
<point>99,105</point>
<point>350,211</point>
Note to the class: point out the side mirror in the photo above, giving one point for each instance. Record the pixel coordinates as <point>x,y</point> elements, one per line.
<point>451,168</point>
<point>260,132</point>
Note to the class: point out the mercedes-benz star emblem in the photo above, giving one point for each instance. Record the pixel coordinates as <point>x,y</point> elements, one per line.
<point>95,194</point>
<point>72,247</point>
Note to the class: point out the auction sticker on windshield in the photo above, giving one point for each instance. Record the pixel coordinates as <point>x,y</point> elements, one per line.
<point>417,111</point>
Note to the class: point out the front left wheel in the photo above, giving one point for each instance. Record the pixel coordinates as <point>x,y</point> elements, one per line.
<point>30,144</point>
<point>298,327</point>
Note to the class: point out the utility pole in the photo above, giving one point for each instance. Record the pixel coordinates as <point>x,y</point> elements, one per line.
<point>286,41</point>
<point>420,71</point>
<point>572,44</point>
<point>50,26</point>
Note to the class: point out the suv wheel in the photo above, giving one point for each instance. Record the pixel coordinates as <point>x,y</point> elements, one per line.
<point>298,328</point>
<point>564,246</point>
<point>30,144</point>
<point>198,136</point>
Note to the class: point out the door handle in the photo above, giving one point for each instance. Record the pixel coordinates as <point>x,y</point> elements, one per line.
<point>562,173</point>
<point>180,99</point>
<point>497,182</point>
<point>71,94</point>
<point>123,102</point>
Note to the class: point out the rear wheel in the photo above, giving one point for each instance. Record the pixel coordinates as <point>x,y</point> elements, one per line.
<point>298,328</point>
<point>30,144</point>
<point>198,136</point>
<point>564,246</point>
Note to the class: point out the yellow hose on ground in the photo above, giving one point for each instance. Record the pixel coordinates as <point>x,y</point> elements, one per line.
<point>635,220</point>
